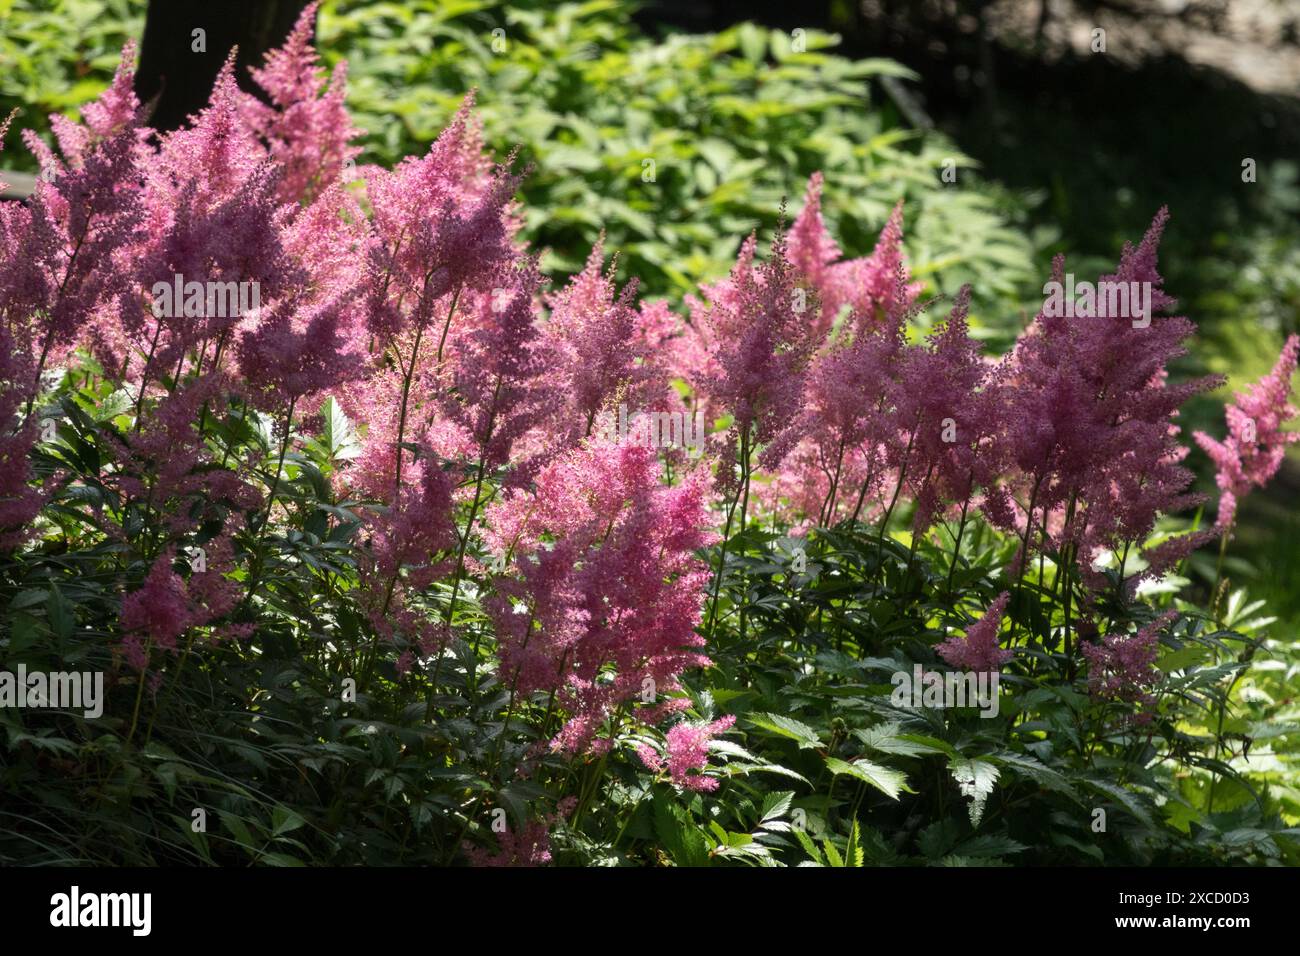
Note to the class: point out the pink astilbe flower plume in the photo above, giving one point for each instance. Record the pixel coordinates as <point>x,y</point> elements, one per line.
<point>213,154</point>
<point>499,388</point>
<point>592,339</point>
<point>870,286</point>
<point>167,606</point>
<point>290,355</point>
<point>978,649</point>
<point>441,226</point>
<point>529,846</point>
<point>213,219</point>
<point>842,435</point>
<point>1122,667</point>
<point>761,349</point>
<point>612,604</point>
<point>85,216</point>
<point>308,132</point>
<point>19,501</point>
<point>407,546</point>
<point>159,612</point>
<point>1090,414</point>
<point>21,286</point>
<point>1251,453</point>
<point>946,415</point>
<point>686,754</point>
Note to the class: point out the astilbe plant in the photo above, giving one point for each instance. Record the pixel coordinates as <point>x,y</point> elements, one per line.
<point>382,507</point>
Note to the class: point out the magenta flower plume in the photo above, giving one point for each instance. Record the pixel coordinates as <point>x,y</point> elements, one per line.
<point>876,288</point>
<point>160,611</point>
<point>1090,416</point>
<point>213,155</point>
<point>761,350</point>
<point>592,340</point>
<point>441,225</point>
<point>23,284</point>
<point>1252,452</point>
<point>19,501</point>
<point>1122,667</point>
<point>499,389</point>
<point>686,749</point>
<point>813,254</point>
<point>289,354</point>
<point>978,649</point>
<point>308,132</point>
<point>214,225</point>
<point>530,846</point>
<point>85,216</point>
<point>167,606</point>
<point>612,604</point>
<point>948,406</point>
<point>408,546</point>
<point>840,439</point>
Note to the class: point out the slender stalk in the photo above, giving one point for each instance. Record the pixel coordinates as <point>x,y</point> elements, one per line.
<point>442,341</point>
<point>828,507</point>
<point>171,687</point>
<point>139,691</point>
<point>455,585</point>
<point>216,364</point>
<point>255,576</point>
<point>956,548</point>
<point>1024,549</point>
<point>408,374</point>
<point>464,542</point>
<point>1215,598</point>
<point>898,488</point>
<point>862,495</point>
<point>1223,702</point>
<point>746,467</point>
<point>144,376</point>
<point>722,562</point>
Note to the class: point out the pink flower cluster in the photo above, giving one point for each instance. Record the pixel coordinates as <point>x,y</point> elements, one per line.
<point>978,649</point>
<point>529,846</point>
<point>606,608</point>
<point>686,753</point>
<point>1122,666</point>
<point>409,295</point>
<point>1251,453</point>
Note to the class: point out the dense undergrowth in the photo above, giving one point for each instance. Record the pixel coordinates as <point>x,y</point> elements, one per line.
<point>375,575</point>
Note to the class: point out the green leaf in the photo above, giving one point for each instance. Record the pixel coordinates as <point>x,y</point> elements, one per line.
<point>809,847</point>
<point>886,739</point>
<point>832,854</point>
<point>673,825</point>
<point>61,615</point>
<point>775,805</point>
<point>285,820</point>
<point>888,782</point>
<point>975,779</point>
<point>1036,771</point>
<point>787,727</point>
